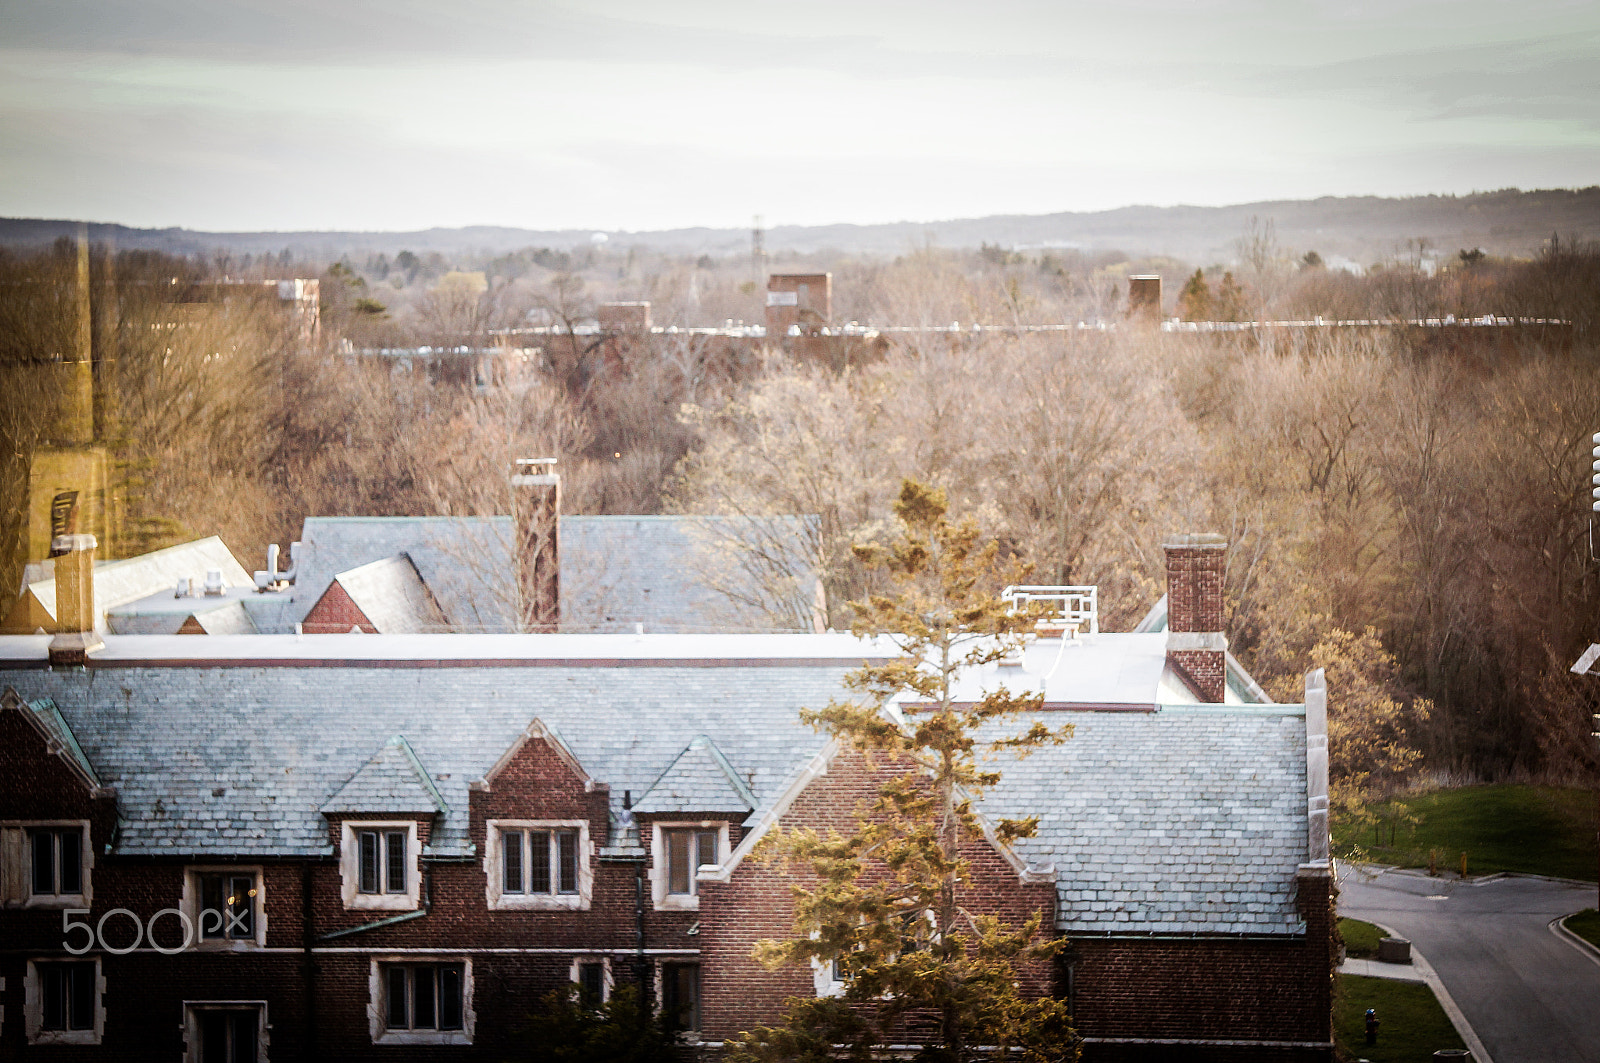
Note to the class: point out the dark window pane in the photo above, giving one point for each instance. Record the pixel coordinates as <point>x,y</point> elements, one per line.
<point>53,988</point>
<point>241,906</point>
<point>212,920</point>
<point>80,1004</point>
<point>450,997</point>
<point>369,861</point>
<point>422,986</point>
<point>678,861</point>
<point>398,1011</point>
<point>44,861</point>
<point>397,862</point>
<point>243,1027</point>
<point>213,1036</point>
<point>680,995</point>
<point>591,982</point>
<point>707,849</point>
<point>511,843</point>
<point>567,849</point>
<point>538,861</point>
<point>70,849</point>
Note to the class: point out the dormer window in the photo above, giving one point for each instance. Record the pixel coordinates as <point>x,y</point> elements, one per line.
<point>538,864</point>
<point>383,860</point>
<point>678,851</point>
<point>380,865</point>
<point>52,859</point>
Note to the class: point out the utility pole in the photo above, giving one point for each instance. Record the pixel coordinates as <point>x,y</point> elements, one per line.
<point>1586,662</point>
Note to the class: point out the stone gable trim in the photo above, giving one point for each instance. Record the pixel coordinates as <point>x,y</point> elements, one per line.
<point>537,729</point>
<point>59,741</point>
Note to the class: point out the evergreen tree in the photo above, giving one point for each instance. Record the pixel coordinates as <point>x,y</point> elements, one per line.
<point>1231,301</point>
<point>1194,302</point>
<point>887,910</point>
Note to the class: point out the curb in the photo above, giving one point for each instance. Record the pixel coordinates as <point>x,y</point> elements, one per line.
<point>1558,927</point>
<point>1454,878</point>
<point>1447,1002</point>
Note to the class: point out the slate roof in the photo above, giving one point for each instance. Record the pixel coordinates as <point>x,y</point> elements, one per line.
<point>1158,817</point>
<point>670,573</point>
<point>394,780</point>
<point>390,593</point>
<point>117,582</point>
<point>700,780</point>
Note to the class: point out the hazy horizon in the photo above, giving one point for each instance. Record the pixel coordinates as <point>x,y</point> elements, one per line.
<point>623,116</point>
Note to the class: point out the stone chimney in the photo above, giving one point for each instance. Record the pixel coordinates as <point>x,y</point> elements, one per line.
<point>76,637</point>
<point>536,495</point>
<point>1196,647</point>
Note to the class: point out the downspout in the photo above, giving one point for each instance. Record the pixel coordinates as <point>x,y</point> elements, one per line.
<point>308,965</point>
<point>403,917</point>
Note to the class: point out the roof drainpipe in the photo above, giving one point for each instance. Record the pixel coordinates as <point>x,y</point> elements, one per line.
<point>403,917</point>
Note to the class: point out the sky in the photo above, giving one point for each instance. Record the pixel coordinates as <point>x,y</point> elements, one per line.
<point>634,115</point>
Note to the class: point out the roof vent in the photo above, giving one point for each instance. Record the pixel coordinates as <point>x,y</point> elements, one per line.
<point>214,586</point>
<point>185,588</point>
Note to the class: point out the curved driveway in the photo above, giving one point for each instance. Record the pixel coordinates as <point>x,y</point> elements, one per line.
<point>1531,997</point>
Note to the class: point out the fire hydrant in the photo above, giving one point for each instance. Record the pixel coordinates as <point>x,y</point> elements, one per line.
<point>1372,1026</point>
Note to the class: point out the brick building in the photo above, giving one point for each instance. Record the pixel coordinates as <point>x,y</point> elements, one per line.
<point>391,846</point>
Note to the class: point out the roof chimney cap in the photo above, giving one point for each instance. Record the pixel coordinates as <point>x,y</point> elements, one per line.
<point>1197,541</point>
<point>535,472</point>
<point>68,544</point>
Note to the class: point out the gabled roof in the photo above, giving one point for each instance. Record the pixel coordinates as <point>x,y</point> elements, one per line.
<point>669,573</point>
<point>700,780</point>
<point>57,734</point>
<point>118,582</point>
<point>394,780</point>
<point>391,595</point>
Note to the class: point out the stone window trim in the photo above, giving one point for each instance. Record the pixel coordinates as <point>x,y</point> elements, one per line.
<point>16,865</point>
<point>350,867</point>
<point>377,1003</point>
<point>33,1005</point>
<point>191,903</point>
<point>607,978</point>
<point>494,870</point>
<point>666,901</point>
<point>191,1025</point>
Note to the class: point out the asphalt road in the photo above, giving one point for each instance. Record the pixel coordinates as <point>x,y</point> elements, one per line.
<point>1531,997</point>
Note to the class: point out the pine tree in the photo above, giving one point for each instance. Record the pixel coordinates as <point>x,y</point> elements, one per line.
<point>1231,300</point>
<point>1194,302</point>
<point>887,910</point>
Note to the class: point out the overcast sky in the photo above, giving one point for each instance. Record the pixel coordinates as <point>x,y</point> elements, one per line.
<point>627,114</point>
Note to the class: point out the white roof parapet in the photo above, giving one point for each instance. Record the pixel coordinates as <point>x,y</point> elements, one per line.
<point>1076,607</point>
<point>1317,768</point>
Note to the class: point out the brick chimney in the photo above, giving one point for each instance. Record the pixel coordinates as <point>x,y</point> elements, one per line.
<point>1196,647</point>
<point>76,637</point>
<point>536,495</point>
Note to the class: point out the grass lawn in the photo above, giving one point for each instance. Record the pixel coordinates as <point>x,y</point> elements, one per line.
<point>1360,939</point>
<point>1539,830</point>
<point>1412,1026</point>
<point>1586,924</point>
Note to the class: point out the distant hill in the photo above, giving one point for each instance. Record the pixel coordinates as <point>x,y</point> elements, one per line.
<point>1362,228</point>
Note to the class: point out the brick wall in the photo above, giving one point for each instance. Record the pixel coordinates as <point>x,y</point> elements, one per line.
<point>335,614</point>
<point>1196,573</point>
<point>757,904</point>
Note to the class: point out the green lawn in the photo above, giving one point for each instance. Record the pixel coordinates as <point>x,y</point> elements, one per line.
<point>1586,924</point>
<point>1539,830</point>
<point>1360,939</point>
<point>1412,1026</point>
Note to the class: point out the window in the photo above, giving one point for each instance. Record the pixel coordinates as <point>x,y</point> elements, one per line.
<point>383,861</point>
<point>225,1032</point>
<point>680,995</point>
<point>680,850</point>
<point>380,864</point>
<point>538,864</point>
<point>225,906</point>
<point>592,976</point>
<point>57,860</point>
<point>422,1003</point>
<point>45,864</point>
<point>62,1002</point>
